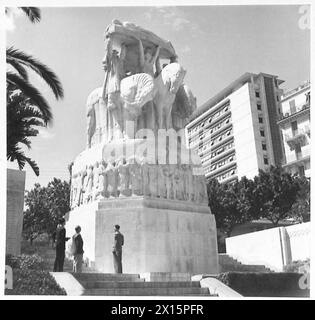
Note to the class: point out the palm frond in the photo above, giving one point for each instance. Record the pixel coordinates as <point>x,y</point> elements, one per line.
<point>41,69</point>
<point>26,142</point>
<point>19,156</point>
<point>18,67</point>
<point>32,93</point>
<point>33,13</point>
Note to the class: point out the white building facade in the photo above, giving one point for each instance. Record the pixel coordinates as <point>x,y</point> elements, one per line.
<point>294,124</point>
<point>236,133</point>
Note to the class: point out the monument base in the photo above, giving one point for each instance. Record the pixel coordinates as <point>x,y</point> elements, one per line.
<point>160,235</point>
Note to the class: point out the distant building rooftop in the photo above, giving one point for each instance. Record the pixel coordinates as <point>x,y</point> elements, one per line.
<point>295,90</point>
<point>236,84</point>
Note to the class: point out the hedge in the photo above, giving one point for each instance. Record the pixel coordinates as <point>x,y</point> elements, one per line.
<point>30,276</point>
<point>34,282</point>
<point>24,261</point>
<point>274,284</point>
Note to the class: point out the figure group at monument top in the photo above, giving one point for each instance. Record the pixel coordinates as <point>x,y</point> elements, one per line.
<point>143,86</point>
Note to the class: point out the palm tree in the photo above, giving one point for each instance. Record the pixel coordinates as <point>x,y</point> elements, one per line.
<point>32,13</point>
<point>21,119</point>
<point>26,107</point>
<point>18,78</point>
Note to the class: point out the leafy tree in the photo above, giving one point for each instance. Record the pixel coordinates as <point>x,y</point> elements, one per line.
<point>301,209</point>
<point>275,192</point>
<point>35,215</point>
<point>231,203</point>
<point>45,206</point>
<point>17,80</point>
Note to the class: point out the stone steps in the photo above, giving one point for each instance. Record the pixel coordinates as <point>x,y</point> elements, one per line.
<point>110,284</point>
<point>228,264</point>
<point>92,277</point>
<point>138,284</point>
<point>147,292</point>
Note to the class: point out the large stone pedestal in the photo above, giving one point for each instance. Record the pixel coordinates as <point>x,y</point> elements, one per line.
<point>160,235</point>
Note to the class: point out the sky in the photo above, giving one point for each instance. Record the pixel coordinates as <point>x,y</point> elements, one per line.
<point>215,44</point>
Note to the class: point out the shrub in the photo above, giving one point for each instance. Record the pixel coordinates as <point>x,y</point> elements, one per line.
<point>34,282</point>
<point>264,284</point>
<point>30,276</point>
<point>26,262</point>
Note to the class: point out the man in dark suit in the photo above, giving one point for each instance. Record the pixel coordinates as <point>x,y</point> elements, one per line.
<point>78,253</point>
<point>117,249</point>
<point>60,245</point>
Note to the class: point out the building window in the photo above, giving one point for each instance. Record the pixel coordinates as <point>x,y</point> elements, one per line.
<point>260,119</point>
<point>301,171</point>
<point>257,94</point>
<point>278,98</point>
<point>264,146</point>
<point>294,127</point>
<point>266,161</point>
<point>298,151</point>
<point>292,106</point>
<point>262,133</point>
<point>258,106</point>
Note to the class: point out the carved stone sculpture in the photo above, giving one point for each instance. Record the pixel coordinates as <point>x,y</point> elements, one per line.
<point>102,181</point>
<point>136,180</point>
<point>162,182</point>
<point>88,184</point>
<point>111,175</point>
<point>136,89</point>
<point>124,177</point>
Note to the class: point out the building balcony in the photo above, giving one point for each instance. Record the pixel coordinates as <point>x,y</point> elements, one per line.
<point>300,137</point>
<point>292,92</point>
<point>302,160</point>
<point>290,116</point>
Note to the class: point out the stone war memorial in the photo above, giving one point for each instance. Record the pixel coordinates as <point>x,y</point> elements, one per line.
<point>136,170</point>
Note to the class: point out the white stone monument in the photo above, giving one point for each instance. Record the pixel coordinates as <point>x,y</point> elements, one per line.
<point>136,170</point>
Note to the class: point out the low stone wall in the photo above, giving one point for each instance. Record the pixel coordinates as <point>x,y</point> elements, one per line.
<point>273,248</point>
<point>15,203</point>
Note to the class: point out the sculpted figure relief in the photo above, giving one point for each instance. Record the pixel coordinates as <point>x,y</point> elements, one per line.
<point>162,182</point>
<point>88,184</point>
<point>102,181</point>
<point>124,177</point>
<point>111,175</point>
<point>136,180</point>
<point>95,190</point>
<point>201,189</point>
<point>153,180</point>
<point>73,190</point>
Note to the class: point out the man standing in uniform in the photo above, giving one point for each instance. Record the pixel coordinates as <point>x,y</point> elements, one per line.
<point>117,249</point>
<point>78,253</point>
<point>60,240</point>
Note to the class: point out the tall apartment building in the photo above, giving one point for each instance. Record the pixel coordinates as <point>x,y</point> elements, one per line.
<point>236,133</point>
<point>294,125</point>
